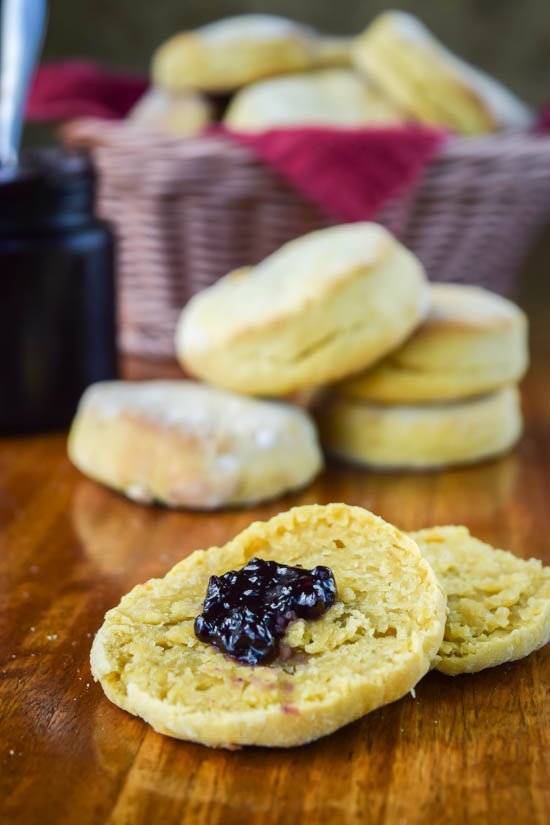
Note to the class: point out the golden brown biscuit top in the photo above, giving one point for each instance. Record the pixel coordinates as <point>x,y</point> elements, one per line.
<point>299,275</point>
<point>456,306</point>
<point>196,409</point>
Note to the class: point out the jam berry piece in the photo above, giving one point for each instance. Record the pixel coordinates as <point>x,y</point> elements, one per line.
<point>246,612</point>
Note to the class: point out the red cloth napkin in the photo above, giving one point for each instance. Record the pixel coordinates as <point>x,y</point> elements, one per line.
<point>349,173</point>
<point>68,89</point>
<point>543,121</point>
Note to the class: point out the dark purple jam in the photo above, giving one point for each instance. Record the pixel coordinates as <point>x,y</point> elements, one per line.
<point>246,612</point>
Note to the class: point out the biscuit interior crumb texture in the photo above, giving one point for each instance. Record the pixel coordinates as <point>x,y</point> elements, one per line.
<point>368,649</point>
<point>499,605</point>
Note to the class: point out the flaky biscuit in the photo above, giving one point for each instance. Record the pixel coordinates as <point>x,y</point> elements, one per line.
<point>499,604</point>
<point>472,342</point>
<point>229,53</point>
<point>330,97</point>
<point>368,649</point>
<point>323,306</point>
<point>189,445</point>
<point>425,79</point>
<point>421,436</point>
<point>181,113</point>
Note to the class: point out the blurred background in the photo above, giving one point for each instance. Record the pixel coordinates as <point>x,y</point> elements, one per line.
<point>496,194</point>
<point>508,38</point>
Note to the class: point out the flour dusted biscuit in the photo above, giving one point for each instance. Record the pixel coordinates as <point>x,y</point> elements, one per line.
<point>323,306</point>
<point>370,648</point>
<point>227,54</point>
<point>330,97</point>
<point>472,342</point>
<point>423,78</point>
<point>499,605</point>
<point>181,113</point>
<point>185,444</point>
<point>420,436</point>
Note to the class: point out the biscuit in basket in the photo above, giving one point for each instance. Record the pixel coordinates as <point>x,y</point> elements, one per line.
<point>328,97</point>
<point>188,445</point>
<point>499,605</point>
<point>472,342</point>
<point>369,648</point>
<point>423,78</point>
<point>181,113</point>
<point>420,436</point>
<point>323,306</point>
<point>229,53</point>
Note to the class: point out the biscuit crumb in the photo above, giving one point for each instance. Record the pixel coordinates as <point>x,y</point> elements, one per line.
<point>499,604</point>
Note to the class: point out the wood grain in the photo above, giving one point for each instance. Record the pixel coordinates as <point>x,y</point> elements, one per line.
<point>465,750</point>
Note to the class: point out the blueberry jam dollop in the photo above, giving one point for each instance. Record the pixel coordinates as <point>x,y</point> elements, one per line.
<point>246,612</point>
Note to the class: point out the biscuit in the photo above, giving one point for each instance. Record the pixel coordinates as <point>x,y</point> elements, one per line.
<point>333,50</point>
<point>323,306</point>
<point>400,55</point>
<point>472,342</point>
<point>499,605</point>
<point>187,445</point>
<point>368,649</point>
<point>329,97</point>
<point>182,113</point>
<point>419,436</point>
<point>232,52</point>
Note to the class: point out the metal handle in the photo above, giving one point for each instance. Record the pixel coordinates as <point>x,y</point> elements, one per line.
<point>23,23</point>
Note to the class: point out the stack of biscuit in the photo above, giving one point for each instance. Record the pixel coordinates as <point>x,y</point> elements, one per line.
<point>430,371</point>
<point>273,72</point>
<point>447,396</point>
<point>400,374</point>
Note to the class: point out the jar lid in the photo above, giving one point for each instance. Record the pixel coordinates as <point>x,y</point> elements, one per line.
<point>49,189</point>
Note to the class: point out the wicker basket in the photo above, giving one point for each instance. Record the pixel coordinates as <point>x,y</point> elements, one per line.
<point>186,212</point>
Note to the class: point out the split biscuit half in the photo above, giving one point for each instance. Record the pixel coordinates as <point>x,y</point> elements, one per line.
<point>499,604</point>
<point>370,648</point>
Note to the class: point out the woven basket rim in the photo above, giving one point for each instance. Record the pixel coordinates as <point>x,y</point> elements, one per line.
<point>125,136</point>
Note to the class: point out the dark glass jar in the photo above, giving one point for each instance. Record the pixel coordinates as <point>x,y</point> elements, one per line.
<point>57,305</point>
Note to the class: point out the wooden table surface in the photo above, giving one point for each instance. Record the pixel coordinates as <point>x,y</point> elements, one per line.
<point>466,750</point>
